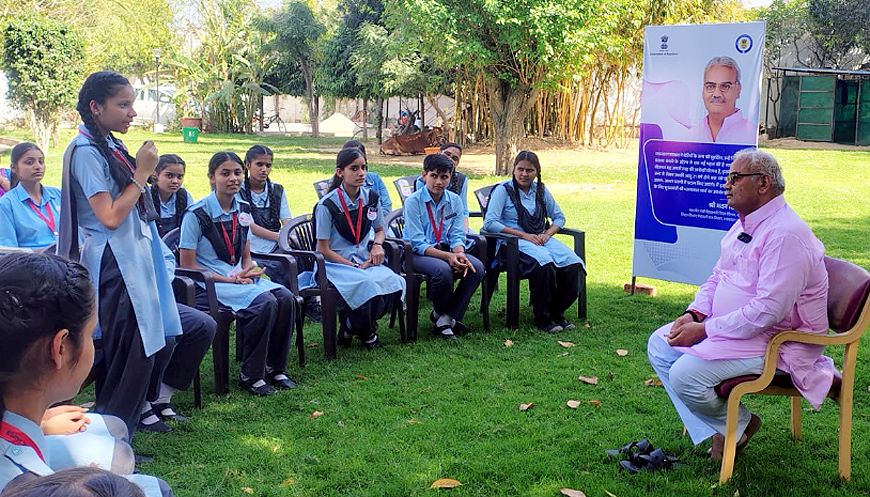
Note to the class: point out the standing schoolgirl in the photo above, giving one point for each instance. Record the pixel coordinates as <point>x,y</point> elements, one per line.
<point>168,194</point>
<point>30,212</point>
<point>215,235</point>
<point>347,219</point>
<point>49,316</point>
<point>267,199</point>
<point>104,198</point>
<point>523,207</point>
<point>434,225</point>
<point>373,180</point>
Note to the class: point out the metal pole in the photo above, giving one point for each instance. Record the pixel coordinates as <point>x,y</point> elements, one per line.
<point>157,79</point>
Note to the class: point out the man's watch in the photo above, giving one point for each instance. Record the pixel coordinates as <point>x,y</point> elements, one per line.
<point>695,317</point>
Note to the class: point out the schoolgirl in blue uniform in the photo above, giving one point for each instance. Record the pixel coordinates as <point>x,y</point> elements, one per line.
<point>436,229</point>
<point>215,236</point>
<point>50,314</point>
<point>30,212</point>
<point>374,181</point>
<point>267,199</point>
<point>523,207</point>
<point>167,193</point>
<point>104,201</point>
<point>346,220</point>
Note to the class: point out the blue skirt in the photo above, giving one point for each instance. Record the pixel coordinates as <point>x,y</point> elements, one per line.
<point>358,286</point>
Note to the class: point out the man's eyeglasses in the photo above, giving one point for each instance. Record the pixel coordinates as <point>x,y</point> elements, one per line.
<point>725,87</point>
<point>733,176</point>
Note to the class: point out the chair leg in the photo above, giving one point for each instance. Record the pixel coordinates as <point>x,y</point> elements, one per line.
<point>485,297</point>
<point>581,298</point>
<point>796,417</point>
<point>221,357</point>
<point>730,450</point>
<point>845,442</point>
<point>513,299</point>
<point>197,391</point>
<point>300,323</point>
<point>329,323</point>
<point>413,313</point>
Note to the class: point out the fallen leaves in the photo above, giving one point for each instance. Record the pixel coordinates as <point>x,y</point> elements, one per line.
<point>508,343</point>
<point>574,404</point>
<point>570,492</point>
<point>589,381</point>
<point>312,345</point>
<point>563,354</point>
<point>361,377</point>
<point>621,352</point>
<point>526,407</point>
<point>414,422</point>
<point>315,415</point>
<point>287,482</point>
<point>445,483</point>
<point>565,344</point>
<point>652,382</point>
<point>595,403</point>
<point>247,490</point>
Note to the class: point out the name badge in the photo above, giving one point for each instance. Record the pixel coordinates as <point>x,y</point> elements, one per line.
<point>245,219</point>
<point>451,216</point>
<point>372,214</point>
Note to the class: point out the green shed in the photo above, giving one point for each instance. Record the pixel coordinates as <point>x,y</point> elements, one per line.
<point>830,105</point>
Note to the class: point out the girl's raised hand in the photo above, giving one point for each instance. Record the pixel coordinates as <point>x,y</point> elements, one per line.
<point>147,158</point>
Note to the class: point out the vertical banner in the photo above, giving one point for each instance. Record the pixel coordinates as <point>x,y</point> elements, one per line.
<point>699,106</point>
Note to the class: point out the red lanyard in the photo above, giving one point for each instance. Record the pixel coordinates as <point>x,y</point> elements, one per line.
<point>440,228</point>
<point>17,437</point>
<point>49,221</point>
<point>358,232</point>
<point>230,247</point>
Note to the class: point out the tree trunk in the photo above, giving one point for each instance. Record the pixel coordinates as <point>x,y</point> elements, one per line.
<point>447,127</point>
<point>508,104</point>
<point>365,120</point>
<point>380,129</point>
<point>313,104</point>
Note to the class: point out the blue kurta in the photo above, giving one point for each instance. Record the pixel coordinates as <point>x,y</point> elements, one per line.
<point>20,226</point>
<point>261,200</point>
<point>139,258</point>
<point>233,295</point>
<point>374,182</point>
<point>418,226</point>
<point>501,213</point>
<point>19,459</point>
<point>419,184</point>
<point>356,286</point>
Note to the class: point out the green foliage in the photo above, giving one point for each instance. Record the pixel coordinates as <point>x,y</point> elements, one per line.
<point>337,75</point>
<point>838,26</point>
<point>44,64</point>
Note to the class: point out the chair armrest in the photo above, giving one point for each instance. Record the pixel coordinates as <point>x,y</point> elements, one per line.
<point>317,261</point>
<point>283,234</point>
<point>475,214</point>
<point>207,280</point>
<point>393,252</point>
<point>479,249</point>
<point>289,267</point>
<point>579,240</point>
<point>184,290</point>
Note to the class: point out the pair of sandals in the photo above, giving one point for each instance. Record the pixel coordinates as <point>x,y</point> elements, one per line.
<point>641,456</point>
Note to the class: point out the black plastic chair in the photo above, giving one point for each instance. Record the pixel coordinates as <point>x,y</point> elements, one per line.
<point>509,262</point>
<point>395,223</point>
<point>406,186</point>
<point>185,293</point>
<point>297,238</point>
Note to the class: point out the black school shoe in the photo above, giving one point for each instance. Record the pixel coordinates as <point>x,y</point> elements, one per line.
<point>282,384</point>
<point>564,323</point>
<point>372,342</point>
<point>166,412</point>
<point>549,327</point>
<point>156,427</point>
<point>263,390</point>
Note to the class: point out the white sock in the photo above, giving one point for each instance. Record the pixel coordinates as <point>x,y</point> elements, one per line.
<point>280,377</point>
<point>445,320</point>
<point>447,332</point>
<point>164,396</point>
<point>373,338</point>
<point>150,420</point>
<point>258,383</point>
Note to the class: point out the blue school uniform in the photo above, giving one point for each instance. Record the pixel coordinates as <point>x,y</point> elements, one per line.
<point>501,213</point>
<point>232,295</point>
<point>139,258</point>
<point>21,226</point>
<point>261,201</point>
<point>36,458</point>
<point>374,182</point>
<point>419,184</point>
<point>356,286</point>
<point>447,213</point>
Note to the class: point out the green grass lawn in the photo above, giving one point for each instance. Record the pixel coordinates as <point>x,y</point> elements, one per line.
<point>396,419</point>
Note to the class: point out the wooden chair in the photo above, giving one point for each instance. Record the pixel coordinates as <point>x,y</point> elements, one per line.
<point>406,186</point>
<point>509,262</point>
<point>297,238</point>
<point>395,223</point>
<point>849,318</point>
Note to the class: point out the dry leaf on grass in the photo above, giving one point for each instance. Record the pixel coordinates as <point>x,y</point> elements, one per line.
<point>595,402</point>
<point>247,490</point>
<point>574,404</point>
<point>526,407</point>
<point>621,352</point>
<point>587,325</point>
<point>570,492</point>
<point>315,414</point>
<point>652,382</point>
<point>312,345</point>
<point>590,381</point>
<point>612,376</point>
<point>565,344</point>
<point>445,483</point>
<point>361,377</point>
<point>563,354</point>
<point>414,422</point>
<point>508,343</point>
<point>287,482</point>
<point>609,494</point>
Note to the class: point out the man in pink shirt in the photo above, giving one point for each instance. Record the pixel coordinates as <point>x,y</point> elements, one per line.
<point>770,277</point>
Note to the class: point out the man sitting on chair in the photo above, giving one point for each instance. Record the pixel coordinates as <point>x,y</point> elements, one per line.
<point>770,277</point>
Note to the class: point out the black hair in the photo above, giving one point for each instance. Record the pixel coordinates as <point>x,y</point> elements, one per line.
<point>99,87</point>
<point>81,481</point>
<point>450,145</point>
<point>40,294</point>
<point>525,155</point>
<point>252,153</point>
<point>15,155</point>
<point>354,144</point>
<point>344,158</point>
<point>167,159</point>
<point>439,163</point>
<point>221,157</point>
